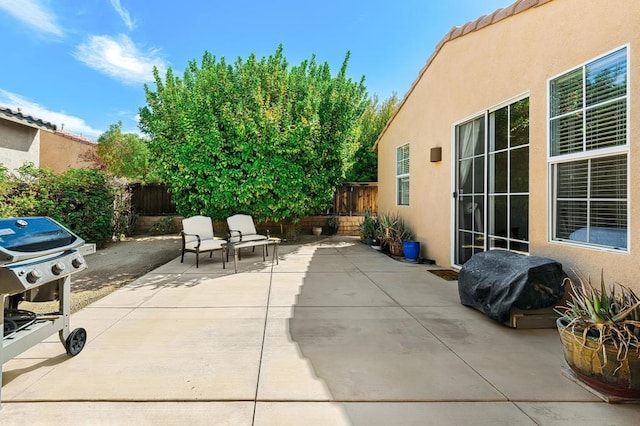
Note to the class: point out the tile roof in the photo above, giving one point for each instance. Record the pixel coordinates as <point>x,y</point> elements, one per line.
<point>28,119</point>
<point>484,21</point>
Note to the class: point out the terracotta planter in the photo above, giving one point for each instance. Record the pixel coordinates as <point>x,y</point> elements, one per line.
<point>395,249</point>
<point>586,360</point>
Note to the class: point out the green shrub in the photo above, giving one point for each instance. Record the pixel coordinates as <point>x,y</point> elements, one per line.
<point>163,226</point>
<point>80,199</point>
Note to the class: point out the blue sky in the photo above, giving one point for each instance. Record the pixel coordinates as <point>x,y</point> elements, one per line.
<point>83,63</point>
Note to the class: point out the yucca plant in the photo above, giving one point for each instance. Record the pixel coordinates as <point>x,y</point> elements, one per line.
<point>393,229</point>
<point>610,316</point>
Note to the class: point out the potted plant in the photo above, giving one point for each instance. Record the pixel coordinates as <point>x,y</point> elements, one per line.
<point>411,249</point>
<point>393,231</point>
<point>368,228</point>
<point>599,330</point>
<point>333,222</point>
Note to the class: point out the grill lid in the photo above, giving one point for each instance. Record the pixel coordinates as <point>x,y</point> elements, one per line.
<point>27,237</point>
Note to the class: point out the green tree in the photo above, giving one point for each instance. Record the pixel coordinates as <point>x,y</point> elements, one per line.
<point>123,154</point>
<point>363,166</point>
<point>255,136</point>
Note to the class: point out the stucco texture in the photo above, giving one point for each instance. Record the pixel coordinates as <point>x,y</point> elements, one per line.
<point>59,152</point>
<point>478,71</point>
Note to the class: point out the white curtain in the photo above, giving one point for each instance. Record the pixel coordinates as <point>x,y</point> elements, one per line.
<point>468,137</point>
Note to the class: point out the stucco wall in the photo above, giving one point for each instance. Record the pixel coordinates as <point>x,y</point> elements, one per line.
<point>486,68</point>
<point>60,153</point>
<point>18,144</point>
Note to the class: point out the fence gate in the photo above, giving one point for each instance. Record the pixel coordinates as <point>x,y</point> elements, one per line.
<point>354,198</point>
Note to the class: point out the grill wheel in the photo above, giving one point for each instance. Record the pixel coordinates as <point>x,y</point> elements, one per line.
<point>75,342</point>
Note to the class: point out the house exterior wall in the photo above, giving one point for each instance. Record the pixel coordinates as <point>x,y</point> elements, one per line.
<point>60,153</point>
<point>18,144</point>
<point>486,68</point>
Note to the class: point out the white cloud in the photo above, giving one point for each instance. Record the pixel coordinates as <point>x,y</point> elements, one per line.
<point>71,123</point>
<point>120,58</point>
<point>124,14</point>
<point>33,14</point>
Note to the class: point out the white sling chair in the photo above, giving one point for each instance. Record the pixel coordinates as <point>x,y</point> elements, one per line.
<point>242,230</point>
<point>197,237</point>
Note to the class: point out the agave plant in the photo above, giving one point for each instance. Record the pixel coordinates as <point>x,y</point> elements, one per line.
<point>611,315</point>
<point>393,229</point>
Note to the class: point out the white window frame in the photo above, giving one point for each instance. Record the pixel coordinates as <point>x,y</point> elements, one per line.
<point>403,175</point>
<point>586,155</point>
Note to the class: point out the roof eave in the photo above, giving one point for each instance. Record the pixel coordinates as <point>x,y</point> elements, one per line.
<point>457,32</point>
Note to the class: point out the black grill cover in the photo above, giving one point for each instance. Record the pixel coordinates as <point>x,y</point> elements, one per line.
<point>494,281</point>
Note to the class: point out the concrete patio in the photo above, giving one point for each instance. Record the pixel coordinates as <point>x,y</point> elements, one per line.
<point>336,334</point>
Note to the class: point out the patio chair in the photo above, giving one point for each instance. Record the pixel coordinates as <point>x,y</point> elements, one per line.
<point>242,230</point>
<point>197,237</point>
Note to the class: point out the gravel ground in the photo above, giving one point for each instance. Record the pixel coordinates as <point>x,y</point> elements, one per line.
<point>112,267</point>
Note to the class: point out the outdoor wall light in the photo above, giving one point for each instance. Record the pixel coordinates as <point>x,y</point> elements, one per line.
<point>436,154</point>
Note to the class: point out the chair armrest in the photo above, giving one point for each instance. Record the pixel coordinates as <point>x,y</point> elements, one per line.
<point>230,233</point>
<point>184,234</point>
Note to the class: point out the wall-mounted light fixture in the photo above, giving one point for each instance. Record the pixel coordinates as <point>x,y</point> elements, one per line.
<point>436,154</point>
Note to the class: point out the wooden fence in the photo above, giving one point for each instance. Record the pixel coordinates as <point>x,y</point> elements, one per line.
<point>352,199</point>
<point>150,200</point>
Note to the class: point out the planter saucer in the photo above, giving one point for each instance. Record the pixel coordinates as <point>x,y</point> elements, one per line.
<point>606,397</point>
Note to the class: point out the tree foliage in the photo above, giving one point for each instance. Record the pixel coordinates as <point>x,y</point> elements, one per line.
<point>124,154</point>
<point>364,164</point>
<point>255,136</point>
<point>80,199</point>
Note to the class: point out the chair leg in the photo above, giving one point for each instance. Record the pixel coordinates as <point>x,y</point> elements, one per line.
<point>223,254</point>
<point>197,258</point>
<point>182,257</point>
<point>235,259</point>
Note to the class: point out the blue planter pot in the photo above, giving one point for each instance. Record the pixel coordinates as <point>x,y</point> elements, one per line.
<point>411,250</point>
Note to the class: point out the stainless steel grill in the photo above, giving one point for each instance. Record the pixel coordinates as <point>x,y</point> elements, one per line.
<point>37,257</point>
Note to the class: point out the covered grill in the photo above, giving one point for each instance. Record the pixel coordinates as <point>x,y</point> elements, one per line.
<point>37,257</point>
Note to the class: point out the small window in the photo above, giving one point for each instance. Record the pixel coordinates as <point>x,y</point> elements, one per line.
<point>589,153</point>
<point>402,175</point>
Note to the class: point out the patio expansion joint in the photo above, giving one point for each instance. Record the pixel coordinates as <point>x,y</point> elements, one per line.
<point>264,335</point>
<point>431,333</point>
<point>54,367</point>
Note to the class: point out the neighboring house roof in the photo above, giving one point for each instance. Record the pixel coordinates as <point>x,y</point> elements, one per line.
<point>457,32</point>
<point>18,116</point>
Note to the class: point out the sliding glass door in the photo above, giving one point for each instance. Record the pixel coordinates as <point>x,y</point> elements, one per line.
<point>492,182</point>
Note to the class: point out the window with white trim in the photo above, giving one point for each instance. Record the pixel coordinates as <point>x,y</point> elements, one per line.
<point>402,175</point>
<point>589,153</point>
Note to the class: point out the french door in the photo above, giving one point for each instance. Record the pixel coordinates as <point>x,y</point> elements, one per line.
<point>492,182</point>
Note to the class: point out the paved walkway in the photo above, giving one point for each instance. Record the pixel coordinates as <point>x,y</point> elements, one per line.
<point>336,334</point>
